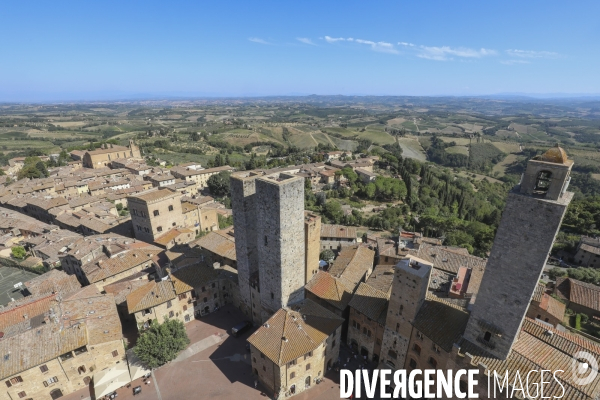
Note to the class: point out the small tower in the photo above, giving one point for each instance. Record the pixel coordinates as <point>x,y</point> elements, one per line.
<point>531,219</point>
<point>312,244</point>
<point>409,289</point>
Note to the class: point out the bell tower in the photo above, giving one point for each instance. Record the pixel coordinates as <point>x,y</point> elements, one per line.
<point>530,222</point>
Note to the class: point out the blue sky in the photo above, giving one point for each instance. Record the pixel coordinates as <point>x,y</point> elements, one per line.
<point>103,49</point>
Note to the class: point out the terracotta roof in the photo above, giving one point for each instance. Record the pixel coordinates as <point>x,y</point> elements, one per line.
<point>53,281</point>
<point>585,294</point>
<point>17,318</point>
<point>381,278</point>
<point>338,231</point>
<point>112,149</point>
<point>120,290</point>
<point>37,346</point>
<point>370,302</point>
<point>154,194</point>
<point>107,267</point>
<point>150,295</point>
<point>442,322</point>
<point>542,347</point>
<point>219,242</point>
<point>449,259</point>
<point>330,289</point>
<point>165,239</point>
<point>294,331</point>
<point>352,264</point>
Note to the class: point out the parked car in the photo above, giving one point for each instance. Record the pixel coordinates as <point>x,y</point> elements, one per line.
<point>240,328</point>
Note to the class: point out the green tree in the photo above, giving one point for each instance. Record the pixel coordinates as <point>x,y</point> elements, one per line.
<point>161,343</point>
<point>219,184</point>
<point>333,211</point>
<point>18,252</point>
<point>327,255</point>
<point>225,222</point>
<point>554,273</point>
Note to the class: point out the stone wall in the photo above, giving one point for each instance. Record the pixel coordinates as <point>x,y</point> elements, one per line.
<point>312,234</point>
<point>521,247</point>
<point>280,234</point>
<point>409,288</point>
<point>364,334</point>
<point>243,194</point>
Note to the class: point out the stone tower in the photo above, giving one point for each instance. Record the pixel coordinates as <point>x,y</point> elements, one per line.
<point>530,221</point>
<point>243,198</point>
<point>409,288</point>
<point>312,243</point>
<point>280,241</point>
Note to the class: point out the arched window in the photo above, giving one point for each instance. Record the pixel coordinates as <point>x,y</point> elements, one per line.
<point>542,182</point>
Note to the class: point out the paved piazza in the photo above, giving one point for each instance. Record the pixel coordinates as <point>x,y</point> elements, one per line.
<point>214,366</point>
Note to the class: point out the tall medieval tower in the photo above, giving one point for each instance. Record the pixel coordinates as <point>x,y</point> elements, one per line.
<point>409,289</point>
<point>243,198</point>
<point>268,212</point>
<point>530,221</point>
<point>280,238</point>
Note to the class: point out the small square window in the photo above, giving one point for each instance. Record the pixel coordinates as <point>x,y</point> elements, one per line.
<point>44,368</point>
<point>115,353</point>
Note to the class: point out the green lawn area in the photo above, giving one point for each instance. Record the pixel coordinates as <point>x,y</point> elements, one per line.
<point>458,140</point>
<point>411,148</point>
<point>501,166</point>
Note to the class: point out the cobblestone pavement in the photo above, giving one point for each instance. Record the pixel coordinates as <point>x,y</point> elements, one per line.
<point>215,366</point>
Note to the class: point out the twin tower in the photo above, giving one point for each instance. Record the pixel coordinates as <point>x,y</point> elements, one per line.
<point>268,210</point>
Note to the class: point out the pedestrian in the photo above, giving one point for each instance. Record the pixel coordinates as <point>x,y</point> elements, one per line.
<point>348,360</point>
<point>255,384</point>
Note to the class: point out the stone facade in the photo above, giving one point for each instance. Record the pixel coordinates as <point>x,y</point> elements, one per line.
<point>243,197</point>
<point>67,373</point>
<point>281,251</point>
<point>365,335</point>
<point>177,308</point>
<point>530,222</point>
<point>155,212</point>
<point>312,234</point>
<point>102,157</point>
<point>409,288</point>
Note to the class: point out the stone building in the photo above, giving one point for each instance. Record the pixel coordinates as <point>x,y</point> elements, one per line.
<point>530,222</point>
<point>198,175</point>
<point>587,253</point>
<point>218,247</point>
<point>579,296</point>
<point>206,287</point>
<point>243,204</point>
<point>157,301</point>
<point>154,212</point>
<point>409,290</point>
<point>312,236</point>
<point>198,218</point>
<point>334,237</point>
<point>269,225</point>
<point>101,158</point>
<point>281,250</point>
<point>545,307</point>
<point>295,347</point>
<point>53,345</point>
<point>368,311</point>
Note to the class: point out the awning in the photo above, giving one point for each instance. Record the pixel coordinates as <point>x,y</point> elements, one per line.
<point>136,368</point>
<point>110,379</point>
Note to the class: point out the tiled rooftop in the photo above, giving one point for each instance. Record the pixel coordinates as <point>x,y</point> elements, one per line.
<point>294,331</point>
